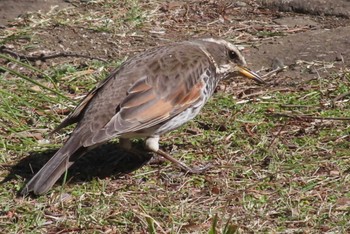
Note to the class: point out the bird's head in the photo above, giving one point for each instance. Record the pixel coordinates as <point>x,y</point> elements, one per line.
<point>227,58</point>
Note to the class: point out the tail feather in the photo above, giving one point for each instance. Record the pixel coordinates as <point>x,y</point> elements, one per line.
<point>54,168</point>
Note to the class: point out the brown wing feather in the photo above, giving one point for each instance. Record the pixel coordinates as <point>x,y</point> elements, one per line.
<point>148,106</point>
<point>78,111</point>
<point>144,92</point>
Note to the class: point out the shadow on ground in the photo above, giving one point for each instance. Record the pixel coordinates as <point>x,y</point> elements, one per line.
<point>105,161</point>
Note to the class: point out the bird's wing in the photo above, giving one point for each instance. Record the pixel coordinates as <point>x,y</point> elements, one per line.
<point>78,111</point>
<point>157,97</point>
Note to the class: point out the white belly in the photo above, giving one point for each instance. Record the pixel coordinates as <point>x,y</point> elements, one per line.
<point>178,120</point>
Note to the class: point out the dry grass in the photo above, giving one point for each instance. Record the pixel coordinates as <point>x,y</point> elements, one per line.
<point>271,173</point>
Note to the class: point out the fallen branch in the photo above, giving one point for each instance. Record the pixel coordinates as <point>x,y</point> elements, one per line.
<point>43,57</point>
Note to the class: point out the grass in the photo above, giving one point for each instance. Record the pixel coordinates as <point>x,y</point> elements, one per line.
<point>270,173</point>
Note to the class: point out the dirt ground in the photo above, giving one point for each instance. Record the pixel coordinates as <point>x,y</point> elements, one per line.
<point>306,39</point>
<point>320,33</point>
<point>10,9</point>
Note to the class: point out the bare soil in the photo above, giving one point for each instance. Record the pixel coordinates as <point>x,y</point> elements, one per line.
<point>320,34</point>
<point>339,8</point>
<point>309,39</point>
<point>11,9</point>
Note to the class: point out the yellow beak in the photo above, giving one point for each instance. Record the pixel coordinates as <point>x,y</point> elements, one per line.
<point>250,74</point>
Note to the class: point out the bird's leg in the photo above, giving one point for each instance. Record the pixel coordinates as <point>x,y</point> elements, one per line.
<point>152,144</point>
<point>124,160</point>
<point>125,143</point>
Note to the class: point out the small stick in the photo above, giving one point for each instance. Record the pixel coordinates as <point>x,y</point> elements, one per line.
<point>43,57</point>
<point>341,96</point>
<point>273,71</point>
<point>278,133</point>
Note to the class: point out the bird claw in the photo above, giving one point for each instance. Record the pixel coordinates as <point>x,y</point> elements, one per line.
<point>183,166</point>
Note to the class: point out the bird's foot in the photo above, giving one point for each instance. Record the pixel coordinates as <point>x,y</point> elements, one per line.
<point>183,166</point>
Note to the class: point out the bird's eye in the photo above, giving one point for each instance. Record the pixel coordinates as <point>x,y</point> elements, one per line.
<point>232,55</point>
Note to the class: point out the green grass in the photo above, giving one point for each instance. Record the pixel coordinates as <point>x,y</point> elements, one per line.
<point>270,173</point>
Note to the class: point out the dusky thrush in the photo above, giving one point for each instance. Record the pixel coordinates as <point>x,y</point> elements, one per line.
<point>150,94</point>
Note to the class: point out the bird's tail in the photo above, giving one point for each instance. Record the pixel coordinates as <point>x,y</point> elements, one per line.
<point>54,168</point>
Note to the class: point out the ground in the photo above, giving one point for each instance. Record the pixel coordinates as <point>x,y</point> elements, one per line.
<point>280,152</point>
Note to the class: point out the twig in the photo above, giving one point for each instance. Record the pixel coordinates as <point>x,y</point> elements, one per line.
<point>296,106</point>
<point>43,57</point>
<point>276,70</point>
<point>341,96</point>
<point>278,133</point>
<point>259,93</point>
<point>281,114</point>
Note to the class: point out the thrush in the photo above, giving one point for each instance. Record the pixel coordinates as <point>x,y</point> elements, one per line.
<point>149,95</point>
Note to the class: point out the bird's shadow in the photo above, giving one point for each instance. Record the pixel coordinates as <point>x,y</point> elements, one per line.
<point>108,160</point>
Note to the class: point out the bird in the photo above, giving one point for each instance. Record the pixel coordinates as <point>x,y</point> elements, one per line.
<point>150,94</point>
